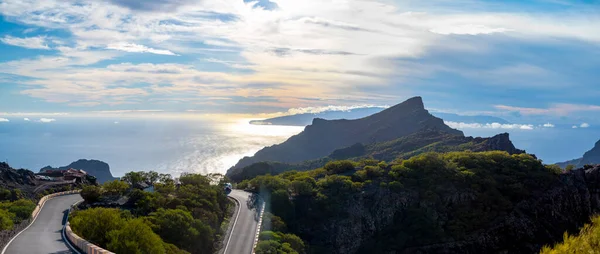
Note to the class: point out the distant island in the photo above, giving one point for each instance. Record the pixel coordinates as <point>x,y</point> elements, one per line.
<point>99,169</point>
<point>357,113</point>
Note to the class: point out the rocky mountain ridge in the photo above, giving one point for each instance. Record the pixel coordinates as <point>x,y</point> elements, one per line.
<point>324,136</point>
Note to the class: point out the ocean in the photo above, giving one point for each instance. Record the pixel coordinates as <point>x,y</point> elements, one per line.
<point>166,145</point>
<point>176,145</point>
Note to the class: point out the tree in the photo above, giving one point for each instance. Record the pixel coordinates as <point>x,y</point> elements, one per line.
<point>165,188</point>
<point>151,177</point>
<point>135,237</point>
<point>94,224</point>
<point>6,220</point>
<point>91,193</point>
<point>134,179</point>
<point>165,178</point>
<point>336,167</point>
<point>178,227</point>
<point>569,167</point>
<point>115,187</point>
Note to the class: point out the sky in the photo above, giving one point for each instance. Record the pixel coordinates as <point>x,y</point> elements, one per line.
<point>533,62</point>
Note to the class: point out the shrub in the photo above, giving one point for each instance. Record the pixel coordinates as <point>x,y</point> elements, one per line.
<point>135,237</point>
<point>94,224</point>
<point>587,241</point>
<point>115,187</point>
<point>337,167</point>
<point>91,193</point>
<point>6,220</point>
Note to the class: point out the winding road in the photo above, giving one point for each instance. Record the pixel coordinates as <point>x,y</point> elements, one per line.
<point>245,223</point>
<point>45,234</point>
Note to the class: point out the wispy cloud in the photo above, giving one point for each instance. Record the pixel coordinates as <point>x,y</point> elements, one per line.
<point>489,126</point>
<point>335,50</point>
<point>136,48</point>
<point>556,109</point>
<point>26,119</point>
<point>584,125</point>
<point>38,42</point>
<point>128,111</point>
<point>33,114</point>
<point>315,110</point>
<point>548,125</point>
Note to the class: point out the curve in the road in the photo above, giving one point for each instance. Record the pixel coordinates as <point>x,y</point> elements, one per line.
<point>245,224</point>
<point>44,235</point>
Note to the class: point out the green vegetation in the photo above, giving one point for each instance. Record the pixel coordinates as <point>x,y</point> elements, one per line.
<point>587,241</point>
<point>184,218</point>
<point>448,195</point>
<point>401,148</point>
<point>15,212</point>
<point>276,242</point>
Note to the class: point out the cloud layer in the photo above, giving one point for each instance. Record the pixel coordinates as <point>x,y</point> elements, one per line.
<point>283,54</point>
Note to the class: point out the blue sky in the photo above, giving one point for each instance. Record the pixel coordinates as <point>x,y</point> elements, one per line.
<point>531,62</point>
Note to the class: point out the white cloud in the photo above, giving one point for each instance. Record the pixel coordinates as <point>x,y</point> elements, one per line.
<point>286,46</point>
<point>47,120</point>
<point>548,125</point>
<point>116,122</point>
<point>26,119</point>
<point>584,125</point>
<point>136,48</point>
<point>560,109</point>
<point>462,125</point>
<point>33,114</point>
<point>315,110</point>
<point>574,127</point>
<point>38,42</point>
<point>4,120</point>
<point>468,29</point>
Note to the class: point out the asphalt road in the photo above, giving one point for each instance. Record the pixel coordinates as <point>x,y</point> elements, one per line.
<point>241,237</point>
<point>44,235</point>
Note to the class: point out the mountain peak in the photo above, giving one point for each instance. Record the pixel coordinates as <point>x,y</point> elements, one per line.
<point>412,103</point>
<point>324,136</point>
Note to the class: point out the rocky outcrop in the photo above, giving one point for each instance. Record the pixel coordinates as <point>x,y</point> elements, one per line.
<point>11,177</point>
<point>540,220</point>
<point>324,136</point>
<point>99,169</point>
<point>589,158</point>
<point>536,222</point>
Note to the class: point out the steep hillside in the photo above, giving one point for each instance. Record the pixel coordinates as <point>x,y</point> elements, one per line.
<point>589,158</point>
<point>401,148</point>
<point>97,168</point>
<point>459,202</point>
<point>324,136</point>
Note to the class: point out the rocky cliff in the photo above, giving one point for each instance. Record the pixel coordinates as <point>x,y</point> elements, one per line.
<point>374,218</point>
<point>99,169</point>
<point>12,178</point>
<point>324,136</point>
<point>590,157</point>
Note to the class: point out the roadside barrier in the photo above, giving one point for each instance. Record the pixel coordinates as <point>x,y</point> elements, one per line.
<point>82,244</point>
<point>36,212</point>
<point>262,211</point>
